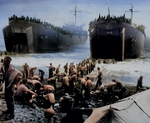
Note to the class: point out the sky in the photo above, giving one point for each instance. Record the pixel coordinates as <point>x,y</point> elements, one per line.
<point>58,12</point>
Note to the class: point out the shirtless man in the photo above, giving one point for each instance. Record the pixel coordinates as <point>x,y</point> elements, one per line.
<point>52,81</point>
<point>87,68</point>
<point>99,76</point>
<point>32,71</point>
<point>66,68</point>
<point>48,88</point>
<point>70,68</point>
<point>65,82</point>
<point>78,68</point>
<point>88,88</point>
<point>51,69</point>
<point>82,70</point>
<point>35,77</point>
<point>120,88</point>
<point>49,113</point>
<point>84,84</point>
<point>41,75</point>
<point>57,69</point>
<point>25,70</point>
<point>74,70</point>
<point>35,83</point>
<point>49,104</point>
<point>51,99</point>
<point>111,92</point>
<point>72,80</point>
<point>23,92</point>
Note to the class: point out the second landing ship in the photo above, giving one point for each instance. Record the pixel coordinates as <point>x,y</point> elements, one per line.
<point>115,37</point>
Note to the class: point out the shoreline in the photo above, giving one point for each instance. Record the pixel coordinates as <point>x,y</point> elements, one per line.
<point>106,79</point>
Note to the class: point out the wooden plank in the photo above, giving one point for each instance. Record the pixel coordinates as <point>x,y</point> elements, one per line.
<point>123,43</point>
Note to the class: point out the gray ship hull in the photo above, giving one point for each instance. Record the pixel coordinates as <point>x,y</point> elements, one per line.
<point>27,37</point>
<point>115,40</point>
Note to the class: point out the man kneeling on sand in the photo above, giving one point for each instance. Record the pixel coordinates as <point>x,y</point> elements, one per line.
<point>24,93</point>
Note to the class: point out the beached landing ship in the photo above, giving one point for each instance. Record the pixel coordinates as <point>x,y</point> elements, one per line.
<point>115,37</point>
<point>30,35</point>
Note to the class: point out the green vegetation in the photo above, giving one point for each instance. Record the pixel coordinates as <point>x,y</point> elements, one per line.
<point>140,28</point>
<point>119,19</point>
<point>108,18</point>
<point>43,23</point>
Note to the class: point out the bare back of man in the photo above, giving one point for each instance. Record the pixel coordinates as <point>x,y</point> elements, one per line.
<point>49,87</point>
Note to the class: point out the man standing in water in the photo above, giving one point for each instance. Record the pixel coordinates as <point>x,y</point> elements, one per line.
<point>99,76</point>
<point>32,71</point>
<point>65,83</point>
<point>66,68</point>
<point>11,76</point>
<point>73,79</point>
<point>51,69</point>
<point>57,69</point>
<point>41,75</point>
<point>88,88</point>
<point>25,71</point>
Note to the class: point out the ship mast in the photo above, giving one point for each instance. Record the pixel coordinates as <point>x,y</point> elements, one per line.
<point>108,11</point>
<point>75,13</point>
<point>131,10</point>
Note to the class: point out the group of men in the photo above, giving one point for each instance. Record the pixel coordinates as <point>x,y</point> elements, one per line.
<point>72,74</point>
<point>37,91</point>
<point>16,84</point>
<point>24,79</point>
<point>32,89</point>
<point>29,72</point>
<point>83,68</point>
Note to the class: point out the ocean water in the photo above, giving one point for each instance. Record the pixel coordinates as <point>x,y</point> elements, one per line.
<point>127,71</point>
<point>40,60</point>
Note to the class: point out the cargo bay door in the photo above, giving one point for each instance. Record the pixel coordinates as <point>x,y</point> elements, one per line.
<point>108,44</point>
